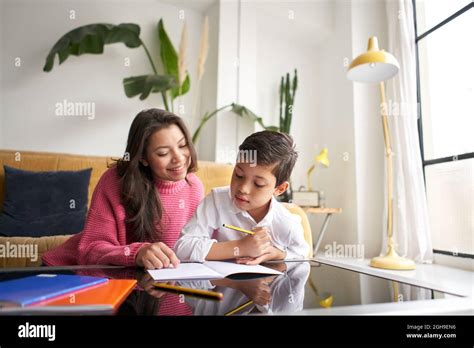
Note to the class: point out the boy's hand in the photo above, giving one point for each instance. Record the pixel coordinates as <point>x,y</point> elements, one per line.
<point>256,244</point>
<point>258,290</point>
<point>273,254</point>
<point>156,255</point>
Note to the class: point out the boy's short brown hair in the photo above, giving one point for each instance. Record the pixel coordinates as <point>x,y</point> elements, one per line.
<point>273,148</point>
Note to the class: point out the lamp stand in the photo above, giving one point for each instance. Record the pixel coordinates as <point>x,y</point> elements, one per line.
<point>391,260</point>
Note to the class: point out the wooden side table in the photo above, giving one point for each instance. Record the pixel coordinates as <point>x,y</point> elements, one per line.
<point>328,212</point>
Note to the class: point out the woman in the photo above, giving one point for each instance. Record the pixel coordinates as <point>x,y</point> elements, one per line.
<point>142,202</point>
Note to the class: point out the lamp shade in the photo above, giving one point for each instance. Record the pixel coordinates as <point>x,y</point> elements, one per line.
<point>323,157</point>
<point>374,65</point>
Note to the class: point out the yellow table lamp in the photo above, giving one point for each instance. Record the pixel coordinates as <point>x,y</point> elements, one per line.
<point>377,66</point>
<point>322,158</point>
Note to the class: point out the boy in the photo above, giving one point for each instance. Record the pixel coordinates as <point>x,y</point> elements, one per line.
<point>248,203</point>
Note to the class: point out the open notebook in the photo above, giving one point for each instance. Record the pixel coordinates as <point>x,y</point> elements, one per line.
<point>208,270</point>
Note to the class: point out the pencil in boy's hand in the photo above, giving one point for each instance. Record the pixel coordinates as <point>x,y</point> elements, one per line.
<point>189,291</point>
<point>238,229</point>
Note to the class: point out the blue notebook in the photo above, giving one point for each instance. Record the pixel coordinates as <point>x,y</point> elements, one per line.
<point>30,290</point>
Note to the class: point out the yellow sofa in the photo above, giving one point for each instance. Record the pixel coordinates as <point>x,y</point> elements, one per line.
<point>211,174</point>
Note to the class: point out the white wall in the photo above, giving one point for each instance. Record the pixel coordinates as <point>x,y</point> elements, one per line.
<point>258,43</point>
<point>227,79</point>
<point>275,58</point>
<point>289,36</point>
<point>368,20</point>
<point>248,66</point>
<point>206,145</point>
<point>335,129</point>
<point>30,95</point>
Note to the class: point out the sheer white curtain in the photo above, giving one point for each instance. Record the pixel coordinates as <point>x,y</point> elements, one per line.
<point>411,225</point>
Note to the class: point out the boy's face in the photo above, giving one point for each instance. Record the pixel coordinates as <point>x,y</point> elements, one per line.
<point>252,187</point>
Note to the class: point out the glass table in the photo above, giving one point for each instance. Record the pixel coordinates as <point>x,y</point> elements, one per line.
<point>302,286</point>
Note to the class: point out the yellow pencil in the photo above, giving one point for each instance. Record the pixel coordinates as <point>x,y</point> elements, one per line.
<point>238,229</point>
<point>193,292</point>
<point>235,310</point>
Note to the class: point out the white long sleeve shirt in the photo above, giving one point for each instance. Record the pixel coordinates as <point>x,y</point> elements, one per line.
<point>217,208</point>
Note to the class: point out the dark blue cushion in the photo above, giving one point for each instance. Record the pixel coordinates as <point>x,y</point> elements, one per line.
<point>40,204</point>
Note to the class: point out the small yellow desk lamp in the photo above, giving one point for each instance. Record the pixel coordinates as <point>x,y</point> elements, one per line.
<point>322,158</point>
<point>377,66</point>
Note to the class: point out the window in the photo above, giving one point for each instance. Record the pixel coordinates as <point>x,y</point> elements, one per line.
<point>445,53</point>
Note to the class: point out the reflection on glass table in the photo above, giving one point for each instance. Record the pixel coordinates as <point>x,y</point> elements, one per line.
<point>329,286</point>
<point>268,295</point>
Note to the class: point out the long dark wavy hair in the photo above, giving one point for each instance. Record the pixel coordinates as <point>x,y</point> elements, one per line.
<point>143,207</point>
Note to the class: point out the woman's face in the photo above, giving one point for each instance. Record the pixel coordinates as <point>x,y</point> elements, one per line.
<point>168,154</point>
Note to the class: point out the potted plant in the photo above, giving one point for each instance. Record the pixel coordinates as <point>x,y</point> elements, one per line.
<point>91,39</point>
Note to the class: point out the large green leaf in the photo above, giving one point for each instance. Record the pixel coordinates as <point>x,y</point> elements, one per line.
<point>176,92</point>
<point>245,112</point>
<point>169,59</point>
<point>146,84</point>
<point>168,54</point>
<point>91,39</point>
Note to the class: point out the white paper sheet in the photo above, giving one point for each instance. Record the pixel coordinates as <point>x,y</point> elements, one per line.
<point>207,270</point>
<point>185,271</point>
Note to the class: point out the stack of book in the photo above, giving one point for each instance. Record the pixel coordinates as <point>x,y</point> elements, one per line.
<point>63,294</point>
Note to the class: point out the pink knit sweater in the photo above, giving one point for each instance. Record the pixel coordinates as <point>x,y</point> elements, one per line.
<point>104,238</point>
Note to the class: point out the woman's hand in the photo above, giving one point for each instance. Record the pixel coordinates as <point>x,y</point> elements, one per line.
<point>256,244</point>
<point>146,282</point>
<point>156,255</point>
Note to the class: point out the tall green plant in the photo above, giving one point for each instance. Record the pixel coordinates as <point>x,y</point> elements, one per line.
<point>237,109</point>
<point>287,99</point>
